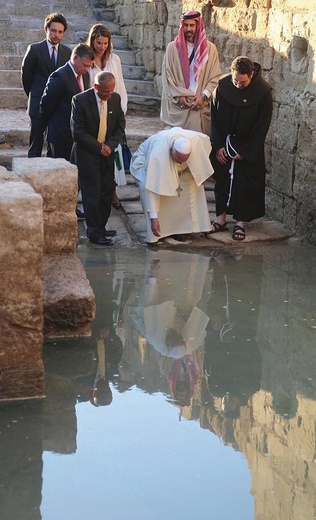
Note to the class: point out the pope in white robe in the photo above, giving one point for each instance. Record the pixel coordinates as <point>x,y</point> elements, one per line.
<point>171,193</point>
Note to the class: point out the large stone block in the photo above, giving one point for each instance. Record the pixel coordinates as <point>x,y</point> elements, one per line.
<point>69,303</point>
<point>295,5</point>
<point>306,136</point>
<point>57,181</point>
<point>274,204</point>
<point>305,175</point>
<point>21,304</point>
<point>282,171</point>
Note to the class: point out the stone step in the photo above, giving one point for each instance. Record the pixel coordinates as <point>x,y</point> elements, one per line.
<point>133,72</point>
<point>12,98</point>
<point>41,9</point>
<point>139,87</point>
<point>74,22</point>
<point>13,61</point>
<point>81,32</point>
<point>127,57</point>
<point>15,129</point>
<point>144,104</point>
<point>12,79</point>
<point>7,155</point>
<point>75,33</point>
<point>104,14</point>
<point>10,62</point>
<point>120,42</point>
<point>16,48</point>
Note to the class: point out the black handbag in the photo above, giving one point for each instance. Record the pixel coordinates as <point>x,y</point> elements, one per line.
<point>126,153</point>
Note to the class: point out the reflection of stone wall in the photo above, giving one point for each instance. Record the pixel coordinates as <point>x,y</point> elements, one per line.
<point>281,35</point>
<point>277,429</point>
<point>281,454</point>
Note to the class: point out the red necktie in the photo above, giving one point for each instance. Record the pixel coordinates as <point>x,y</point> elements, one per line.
<point>79,82</point>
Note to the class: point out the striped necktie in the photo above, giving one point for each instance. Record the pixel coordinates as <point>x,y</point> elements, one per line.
<point>102,125</point>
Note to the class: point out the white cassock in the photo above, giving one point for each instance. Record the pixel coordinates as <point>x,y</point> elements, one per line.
<point>174,191</point>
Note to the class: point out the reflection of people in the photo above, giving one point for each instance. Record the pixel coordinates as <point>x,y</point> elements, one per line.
<point>99,40</point>
<point>62,85</point>
<point>94,112</point>
<point>171,167</point>
<point>240,119</point>
<point>232,359</point>
<point>102,394</point>
<point>96,386</point>
<point>190,72</point>
<point>168,313</point>
<point>40,60</point>
<point>183,375</point>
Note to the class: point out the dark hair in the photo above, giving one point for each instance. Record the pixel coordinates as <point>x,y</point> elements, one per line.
<point>96,31</point>
<point>83,51</point>
<point>242,65</point>
<point>55,17</point>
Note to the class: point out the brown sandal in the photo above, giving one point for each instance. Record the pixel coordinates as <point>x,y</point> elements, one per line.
<point>239,233</point>
<point>218,228</point>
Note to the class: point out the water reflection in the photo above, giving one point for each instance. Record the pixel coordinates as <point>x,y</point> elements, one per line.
<point>232,361</point>
<point>223,341</point>
<point>167,311</point>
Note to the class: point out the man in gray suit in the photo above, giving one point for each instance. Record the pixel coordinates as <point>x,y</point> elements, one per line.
<point>40,60</point>
<point>94,155</point>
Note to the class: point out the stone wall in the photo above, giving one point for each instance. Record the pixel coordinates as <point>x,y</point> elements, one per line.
<point>21,295</point>
<point>279,34</point>
<point>69,303</point>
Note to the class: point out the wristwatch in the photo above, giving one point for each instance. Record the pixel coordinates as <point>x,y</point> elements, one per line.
<point>205,98</point>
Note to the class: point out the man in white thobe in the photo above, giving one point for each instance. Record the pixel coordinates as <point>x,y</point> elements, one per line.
<point>170,168</point>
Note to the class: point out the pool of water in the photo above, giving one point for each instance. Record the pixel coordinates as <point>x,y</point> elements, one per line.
<point>194,397</point>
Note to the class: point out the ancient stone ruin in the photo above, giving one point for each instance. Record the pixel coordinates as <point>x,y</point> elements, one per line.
<point>44,288</point>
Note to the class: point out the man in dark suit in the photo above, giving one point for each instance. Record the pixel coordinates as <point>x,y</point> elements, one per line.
<point>94,155</point>
<point>40,60</point>
<point>55,105</point>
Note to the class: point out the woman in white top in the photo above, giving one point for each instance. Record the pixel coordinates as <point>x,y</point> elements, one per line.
<point>99,40</point>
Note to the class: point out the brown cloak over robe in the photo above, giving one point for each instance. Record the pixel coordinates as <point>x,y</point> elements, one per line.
<point>244,115</point>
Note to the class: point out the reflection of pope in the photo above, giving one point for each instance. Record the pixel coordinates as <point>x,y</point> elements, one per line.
<point>162,328</point>
<point>168,315</point>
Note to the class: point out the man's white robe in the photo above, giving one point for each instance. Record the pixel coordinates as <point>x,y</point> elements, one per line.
<point>173,87</point>
<point>161,180</point>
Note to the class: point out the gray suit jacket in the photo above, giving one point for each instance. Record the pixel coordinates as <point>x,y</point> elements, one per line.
<point>36,68</point>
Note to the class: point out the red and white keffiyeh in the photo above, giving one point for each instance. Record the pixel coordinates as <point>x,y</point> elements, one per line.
<point>200,48</point>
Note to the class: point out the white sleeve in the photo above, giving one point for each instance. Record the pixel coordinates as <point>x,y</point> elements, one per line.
<point>152,203</point>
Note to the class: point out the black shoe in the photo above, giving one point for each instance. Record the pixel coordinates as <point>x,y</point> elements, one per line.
<point>110,233</point>
<point>101,241</point>
<point>179,238</point>
<point>80,215</point>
